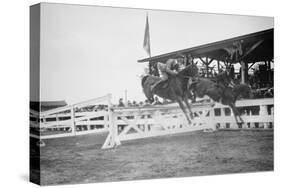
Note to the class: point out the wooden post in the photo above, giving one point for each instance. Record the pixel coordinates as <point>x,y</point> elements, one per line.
<point>223,116</point>
<point>263,112</point>
<point>207,67</point>
<point>212,115</point>
<point>252,125</point>
<point>246,72</point>
<point>73,127</point>
<point>112,139</point>
<point>218,63</point>
<point>242,72</point>
<point>114,128</point>
<point>269,71</point>
<point>44,122</point>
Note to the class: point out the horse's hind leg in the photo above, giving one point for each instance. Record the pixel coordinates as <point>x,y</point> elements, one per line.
<point>184,110</point>
<point>236,113</point>
<point>185,98</point>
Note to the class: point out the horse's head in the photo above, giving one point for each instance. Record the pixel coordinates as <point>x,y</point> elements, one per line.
<point>243,91</point>
<point>190,71</point>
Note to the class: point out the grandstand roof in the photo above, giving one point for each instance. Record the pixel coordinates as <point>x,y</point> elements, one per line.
<point>46,105</point>
<point>256,47</point>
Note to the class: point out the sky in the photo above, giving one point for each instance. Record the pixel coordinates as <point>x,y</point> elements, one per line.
<point>88,51</point>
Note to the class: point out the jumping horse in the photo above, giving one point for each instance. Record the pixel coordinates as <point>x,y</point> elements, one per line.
<point>175,88</point>
<point>220,93</point>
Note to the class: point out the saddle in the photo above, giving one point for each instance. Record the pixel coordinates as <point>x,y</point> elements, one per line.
<point>163,83</point>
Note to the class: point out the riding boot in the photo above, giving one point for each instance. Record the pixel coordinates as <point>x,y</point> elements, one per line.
<point>154,85</point>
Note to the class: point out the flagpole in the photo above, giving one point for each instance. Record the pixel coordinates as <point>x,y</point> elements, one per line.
<point>149,37</point>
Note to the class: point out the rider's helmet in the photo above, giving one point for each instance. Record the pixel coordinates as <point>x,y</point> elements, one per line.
<point>180,58</point>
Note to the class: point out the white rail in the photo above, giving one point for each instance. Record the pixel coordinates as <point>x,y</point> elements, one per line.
<point>64,121</point>
<point>142,122</point>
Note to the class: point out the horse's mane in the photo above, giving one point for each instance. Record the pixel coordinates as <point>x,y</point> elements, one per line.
<point>190,70</point>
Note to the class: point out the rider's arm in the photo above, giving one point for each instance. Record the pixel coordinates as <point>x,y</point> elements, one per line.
<point>169,64</point>
<point>169,71</point>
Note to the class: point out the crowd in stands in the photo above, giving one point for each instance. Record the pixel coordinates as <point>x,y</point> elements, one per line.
<point>145,103</point>
<point>93,108</point>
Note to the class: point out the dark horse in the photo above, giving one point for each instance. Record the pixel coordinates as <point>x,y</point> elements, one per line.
<point>175,88</point>
<point>222,94</point>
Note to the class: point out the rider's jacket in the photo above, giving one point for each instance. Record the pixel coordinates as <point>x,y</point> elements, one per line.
<point>168,67</point>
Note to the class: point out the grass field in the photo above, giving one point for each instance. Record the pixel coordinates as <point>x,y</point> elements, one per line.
<point>80,159</point>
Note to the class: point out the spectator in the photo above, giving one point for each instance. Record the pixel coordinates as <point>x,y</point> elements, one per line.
<point>268,93</point>
<point>135,104</point>
<point>189,60</point>
<point>146,103</point>
<point>141,104</point>
<point>121,104</point>
<point>215,74</point>
<point>129,103</point>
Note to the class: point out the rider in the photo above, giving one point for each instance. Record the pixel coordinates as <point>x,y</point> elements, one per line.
<point>224,78</point>
<point>189,60</point>
<point>168,68</point>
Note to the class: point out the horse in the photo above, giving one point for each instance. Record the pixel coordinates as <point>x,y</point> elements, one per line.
<point>175,88</point>
<point>222,94</point>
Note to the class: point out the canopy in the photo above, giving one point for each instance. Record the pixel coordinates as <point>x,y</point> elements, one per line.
<point>250,48</point>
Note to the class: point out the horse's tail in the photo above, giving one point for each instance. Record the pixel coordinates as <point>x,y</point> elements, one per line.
<point>146,89</point>
<point>143,80</point>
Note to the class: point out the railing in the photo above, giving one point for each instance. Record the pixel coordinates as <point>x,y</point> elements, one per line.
<point>141,122</point>
<point>65,121</point>
<point>256,113</point>
<point>137,123</point>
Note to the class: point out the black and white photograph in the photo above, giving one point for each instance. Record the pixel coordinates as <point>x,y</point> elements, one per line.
<point>120,94</point>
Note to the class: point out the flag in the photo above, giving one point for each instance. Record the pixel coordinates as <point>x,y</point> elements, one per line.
<point>146,41</point>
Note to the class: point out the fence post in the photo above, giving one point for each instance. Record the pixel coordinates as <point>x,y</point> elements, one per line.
<point>112,139</point>
<point>222,115</point>
<point>252,124</point>
<point>73,127</point>
<point>212,118</point>
<point>263,112</point>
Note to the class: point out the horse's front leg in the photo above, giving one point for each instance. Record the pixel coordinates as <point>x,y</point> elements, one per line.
<point>183,109</point>
<point>185,98</point>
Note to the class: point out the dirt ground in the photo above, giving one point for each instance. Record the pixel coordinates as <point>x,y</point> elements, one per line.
<point>80,159</point>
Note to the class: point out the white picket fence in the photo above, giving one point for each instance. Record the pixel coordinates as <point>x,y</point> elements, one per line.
<point>137,123</point>
<point>257,114</point>
<point>142,122</point>
<point>65,121</point>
